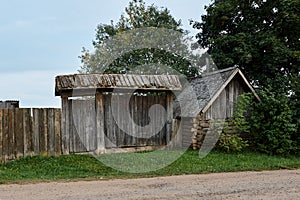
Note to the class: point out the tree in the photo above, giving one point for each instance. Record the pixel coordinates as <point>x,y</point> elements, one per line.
<point>138,16</point>
<point>262,37</point>
<point>259,36</point>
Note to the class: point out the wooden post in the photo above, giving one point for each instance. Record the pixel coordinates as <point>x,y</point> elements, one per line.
<point>65,121</point>
<point>169,117</point>
<point>100,123</point>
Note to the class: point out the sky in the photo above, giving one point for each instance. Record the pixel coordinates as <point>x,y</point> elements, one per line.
<point>42,39</point>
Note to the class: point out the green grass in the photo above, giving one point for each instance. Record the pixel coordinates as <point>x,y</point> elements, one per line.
<point>85,167</point>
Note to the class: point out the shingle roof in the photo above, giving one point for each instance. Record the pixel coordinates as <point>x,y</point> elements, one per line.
<point>120,81</point>
<point>200,91</point>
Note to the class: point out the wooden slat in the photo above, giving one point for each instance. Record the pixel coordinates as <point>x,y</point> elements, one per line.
<point>19,130</point>
<point>57,116</point>
<point>51,132</point>
<point>169,106</point>
<point>36,140</point>
<point>28,132</point>
<point>5,135</point>
<point>75,129</point>
<point>92,124</point>
<point>72,131</point>
<point>100,122</point>
<point>1,134</point>
<point>43,131</point>
<point>65,125</point>
<point>11,144</point>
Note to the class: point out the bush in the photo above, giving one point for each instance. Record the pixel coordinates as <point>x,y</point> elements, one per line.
<point>231,142</point>
<point>269,122</point>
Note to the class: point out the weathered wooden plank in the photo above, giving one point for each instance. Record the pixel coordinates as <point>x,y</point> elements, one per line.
<point>72,132</point>
<point>135,120</point>
<point>145,121</point>
<point>1,134</point>
<point>65,125</point>
<point>51,132</point>
<point>151,101</point>
<point>227,100</point>
<point>127,137</point>
<point>75,142</point>
<point>57,124</point>
<point>169,119</point>
<point>86,122</point>
<point>223,105</point>
<point>19,137</point>
<point>82,133</point>
<point>43,131</point>
<point>92,124</point>
<point>139,120</point>
<point>110,139</point>
<point>11,146</point>
<point>100,122</point>
<point>28,132</point>
<point>124,120</point>
<point>36,140</point>
<point>5,136</point>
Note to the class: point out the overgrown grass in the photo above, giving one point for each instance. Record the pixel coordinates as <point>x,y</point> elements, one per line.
<point>74,167</point>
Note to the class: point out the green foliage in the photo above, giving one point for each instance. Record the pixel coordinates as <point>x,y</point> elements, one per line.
<point>231,142</point>
<point>133,47</point>
<point>241,110</point>
<point>259,36</point>
<point>262,38</point>
<point>270,122</point>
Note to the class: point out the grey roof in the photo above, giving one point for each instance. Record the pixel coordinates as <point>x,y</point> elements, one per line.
<point>200,90</point>
<point>120,81</point>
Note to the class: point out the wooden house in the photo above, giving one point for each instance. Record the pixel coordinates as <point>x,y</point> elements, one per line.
<point>216,94</point>
<point>102,112</point>
<point>89,102</point>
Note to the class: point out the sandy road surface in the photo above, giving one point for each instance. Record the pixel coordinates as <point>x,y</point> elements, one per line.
<point>282,184</point>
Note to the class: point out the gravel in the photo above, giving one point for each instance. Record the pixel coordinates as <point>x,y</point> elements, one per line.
<point>281,184</point>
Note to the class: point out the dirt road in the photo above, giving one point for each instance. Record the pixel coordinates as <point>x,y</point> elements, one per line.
<point>282,184</point>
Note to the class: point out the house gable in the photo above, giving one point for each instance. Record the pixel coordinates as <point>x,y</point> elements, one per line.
<point>221,104</point>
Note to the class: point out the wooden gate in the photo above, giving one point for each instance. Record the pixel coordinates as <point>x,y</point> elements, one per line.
<point>139,107</point>
<point>82,136</point>
<point>83,130</point>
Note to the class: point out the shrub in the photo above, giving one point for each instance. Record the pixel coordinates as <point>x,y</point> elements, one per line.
<point>269,122</point>
<point>231,142</point>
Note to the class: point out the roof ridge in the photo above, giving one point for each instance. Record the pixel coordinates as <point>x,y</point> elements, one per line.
<point>218,71</point>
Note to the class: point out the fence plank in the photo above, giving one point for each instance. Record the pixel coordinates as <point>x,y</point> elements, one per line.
<point>28,138</point>
<point>11,144</point>
<point>58,147</point>
<point>5,136</point>
<point>1,134</point>
<point>35,135</point>
<point>19,138</point>
<point>43,131</point>
<point>51,132</point>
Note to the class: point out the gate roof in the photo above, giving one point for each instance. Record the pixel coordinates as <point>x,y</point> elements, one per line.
<point>120,81</point>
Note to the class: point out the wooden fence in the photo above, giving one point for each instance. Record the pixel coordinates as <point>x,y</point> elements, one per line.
<point>29,131</point>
